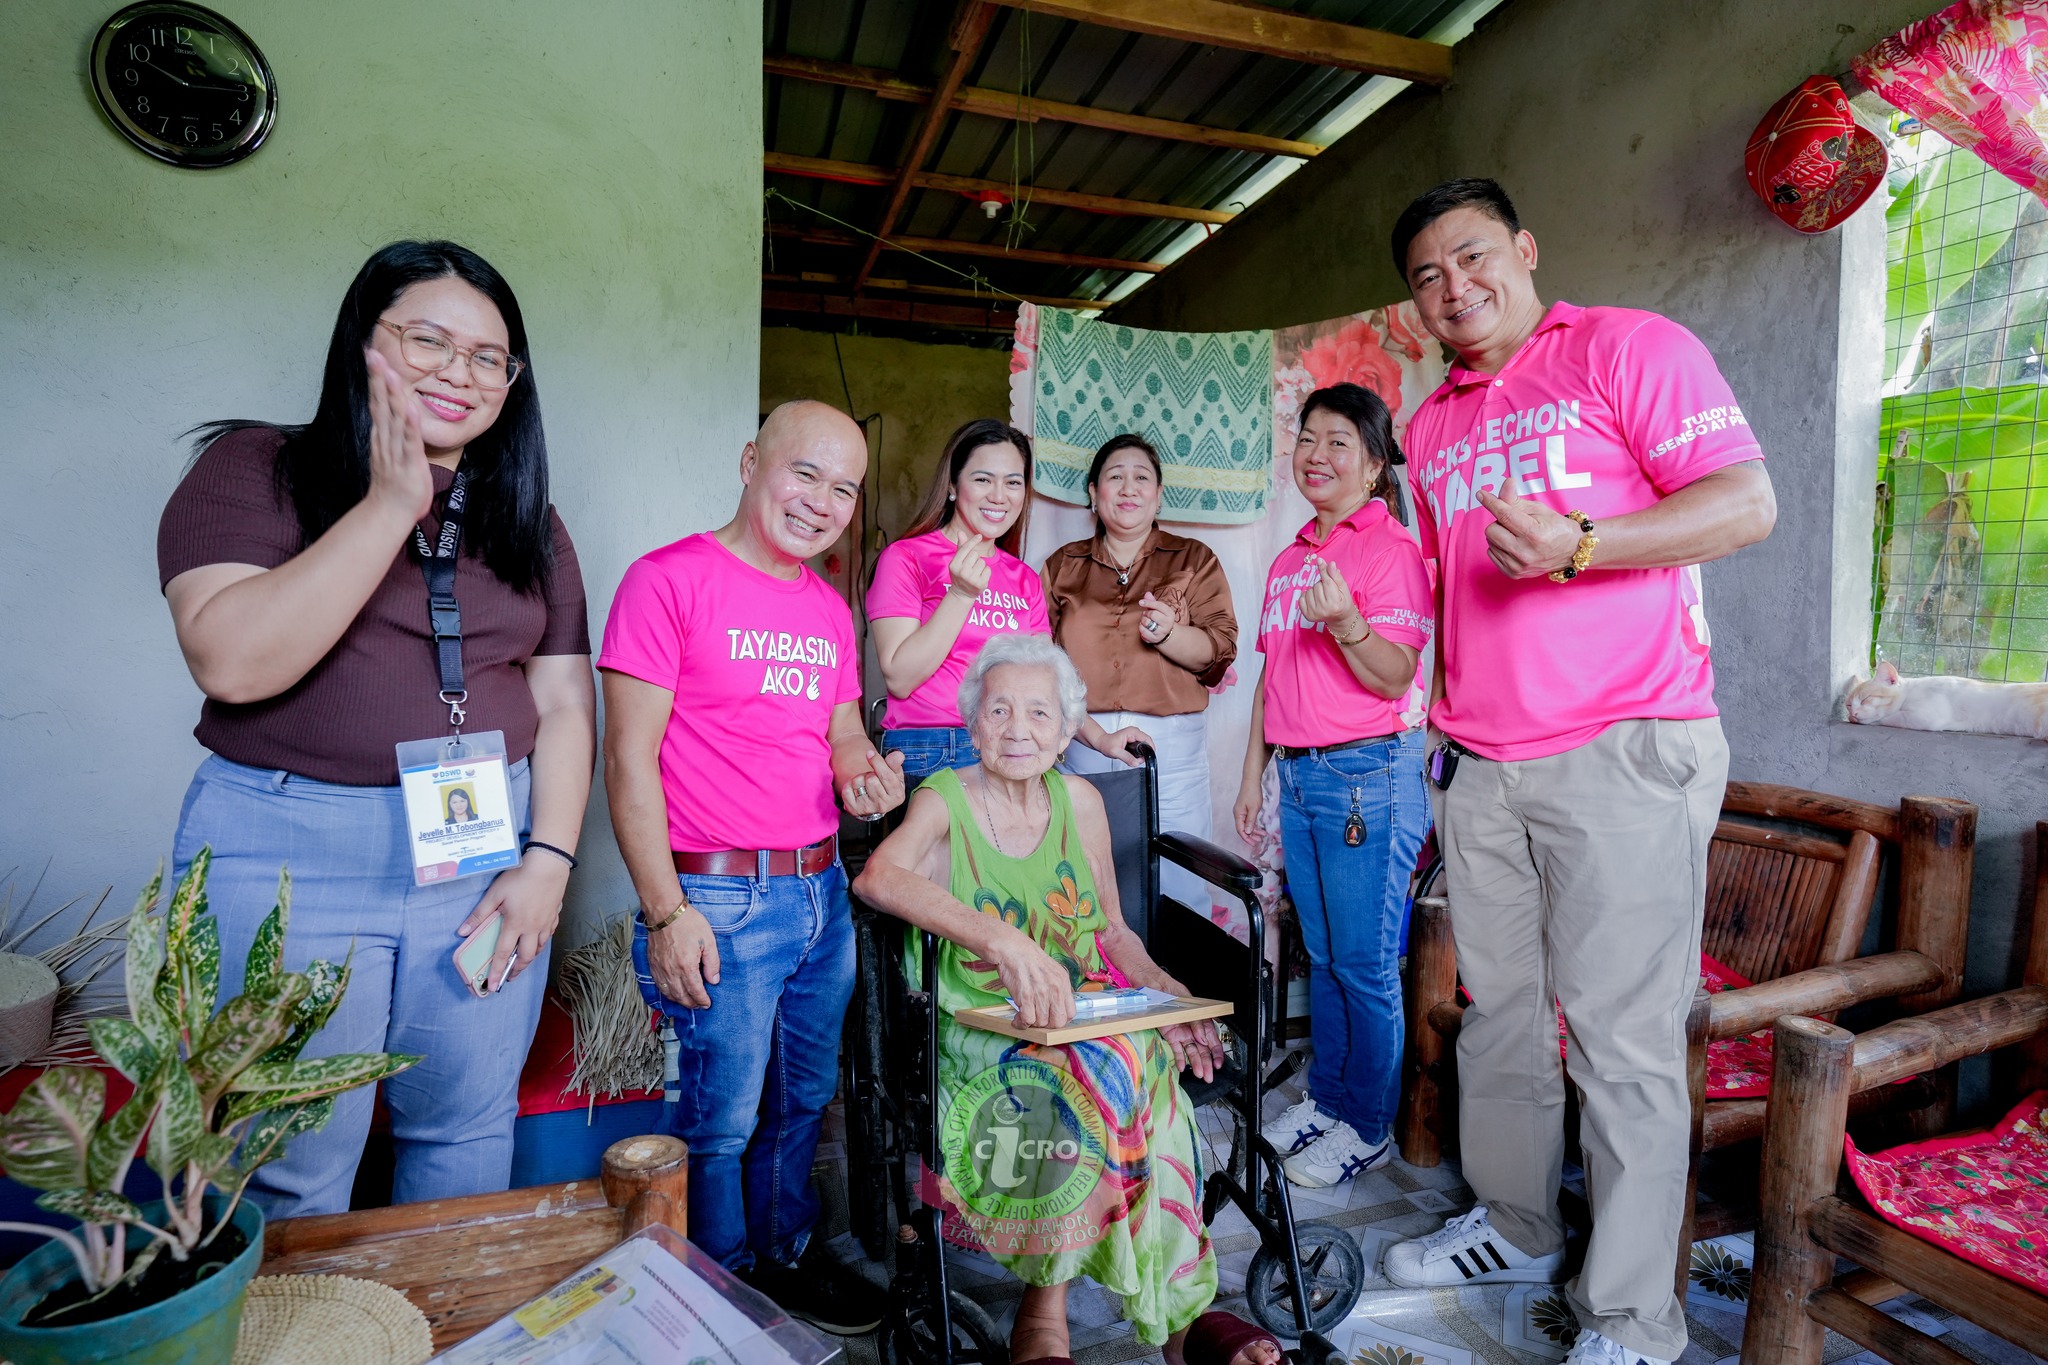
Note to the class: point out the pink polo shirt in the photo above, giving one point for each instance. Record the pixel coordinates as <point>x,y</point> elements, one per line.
<point>1602,411</point>
<point>911,581</point>
<point>1312,697</point>
<point>757,663</point>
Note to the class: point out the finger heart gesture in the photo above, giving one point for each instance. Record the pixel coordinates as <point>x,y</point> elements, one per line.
<point>1328,599</point>
<point>1527,539</point>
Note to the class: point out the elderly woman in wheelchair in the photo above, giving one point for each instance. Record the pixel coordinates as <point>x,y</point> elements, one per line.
<point>1063,1160</point>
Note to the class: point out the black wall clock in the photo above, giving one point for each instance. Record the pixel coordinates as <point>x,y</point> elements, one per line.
<point>183,84</point>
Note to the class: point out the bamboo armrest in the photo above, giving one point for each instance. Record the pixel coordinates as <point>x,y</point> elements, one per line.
<point>1820,990</point>
<point>1908,1047</point>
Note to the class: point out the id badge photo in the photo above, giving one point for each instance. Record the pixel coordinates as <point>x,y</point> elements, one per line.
<point>458,806</point>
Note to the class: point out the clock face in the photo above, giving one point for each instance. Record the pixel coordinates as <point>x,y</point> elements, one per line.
<point>183,84</point>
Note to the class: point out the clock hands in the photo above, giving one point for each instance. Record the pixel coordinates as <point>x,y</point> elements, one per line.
<point>191,85</point>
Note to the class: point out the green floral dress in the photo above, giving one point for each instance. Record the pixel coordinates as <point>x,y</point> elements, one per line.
<point>1073,1159</point>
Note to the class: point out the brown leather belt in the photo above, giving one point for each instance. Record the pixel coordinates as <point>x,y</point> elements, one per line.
<point>1313,751</point>
<point>746,862</point>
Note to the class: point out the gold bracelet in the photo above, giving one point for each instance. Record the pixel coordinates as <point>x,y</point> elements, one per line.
<point>1363,636</point>
<point>673,916</point>
<point>1582,557</point>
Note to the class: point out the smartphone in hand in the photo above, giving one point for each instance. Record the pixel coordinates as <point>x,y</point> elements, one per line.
<point>473,956</point>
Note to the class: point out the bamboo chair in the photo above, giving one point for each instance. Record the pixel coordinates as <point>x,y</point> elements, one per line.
<point>1806,1223</point>
<point>1791,878</point>
<point>467,1262</point>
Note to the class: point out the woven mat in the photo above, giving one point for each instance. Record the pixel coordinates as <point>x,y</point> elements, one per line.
<point>330,1320</point>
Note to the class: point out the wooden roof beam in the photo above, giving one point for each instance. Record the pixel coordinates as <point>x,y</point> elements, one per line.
<point>1256,28</point>
<point>970,27</point>
<point>946,246</point>
<point>935,290</point>
<point>994,318</point>
<point>1029,109</point>
<point>850,172</point>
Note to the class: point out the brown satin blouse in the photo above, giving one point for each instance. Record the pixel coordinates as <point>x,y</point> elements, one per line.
<point>1095,619</point>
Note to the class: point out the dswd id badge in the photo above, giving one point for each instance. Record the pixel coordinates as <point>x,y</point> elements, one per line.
<point>458,806</point>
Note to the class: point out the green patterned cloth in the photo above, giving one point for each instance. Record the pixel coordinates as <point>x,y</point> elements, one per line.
<point>1203,399</point>
<point>1075,1159</point>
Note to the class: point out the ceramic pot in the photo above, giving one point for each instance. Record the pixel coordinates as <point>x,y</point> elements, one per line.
<point>195,1327</point>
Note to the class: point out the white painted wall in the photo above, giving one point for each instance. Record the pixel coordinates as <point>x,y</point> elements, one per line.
<point>606,157</point>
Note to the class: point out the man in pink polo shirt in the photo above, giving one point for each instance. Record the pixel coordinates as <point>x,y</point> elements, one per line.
<point>732,716</point>
<point>1572,472</point>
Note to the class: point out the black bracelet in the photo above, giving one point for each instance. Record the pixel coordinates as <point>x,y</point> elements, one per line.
<point>564,854</point>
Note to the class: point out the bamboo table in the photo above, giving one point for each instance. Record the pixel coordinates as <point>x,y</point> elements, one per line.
<point>467,1262</point>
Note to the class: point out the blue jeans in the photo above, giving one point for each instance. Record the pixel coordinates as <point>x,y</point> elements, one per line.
<point>1351,904</point>
<point>352,892</point>
<point>757,1068</point>
<point>928,748</point>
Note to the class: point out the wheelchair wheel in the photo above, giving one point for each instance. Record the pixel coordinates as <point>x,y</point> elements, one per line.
<point>976,1338</point>
<point>1332,1273</point>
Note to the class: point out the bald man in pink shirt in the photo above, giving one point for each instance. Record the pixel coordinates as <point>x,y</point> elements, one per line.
<point>1571,474</point>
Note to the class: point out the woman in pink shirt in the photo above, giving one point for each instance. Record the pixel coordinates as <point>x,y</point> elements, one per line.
<point>952,584</point>
<point>1347,613</point>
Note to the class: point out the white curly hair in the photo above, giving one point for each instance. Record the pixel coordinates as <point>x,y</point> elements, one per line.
<point>1026,651</point>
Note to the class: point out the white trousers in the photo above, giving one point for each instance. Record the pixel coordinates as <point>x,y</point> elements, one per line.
<point>1185,806</point>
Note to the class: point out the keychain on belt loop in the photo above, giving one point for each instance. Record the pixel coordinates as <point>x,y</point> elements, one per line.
<point>1354,823</point>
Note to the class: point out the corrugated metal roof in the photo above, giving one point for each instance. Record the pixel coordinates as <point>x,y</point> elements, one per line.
<point>1048,58</point>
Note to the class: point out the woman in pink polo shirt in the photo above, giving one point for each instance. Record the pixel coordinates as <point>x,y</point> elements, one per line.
<point>1347,613</point>
<point>949,586</point>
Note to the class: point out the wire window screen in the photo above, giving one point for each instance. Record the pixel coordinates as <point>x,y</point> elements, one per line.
<point>1961,543</point>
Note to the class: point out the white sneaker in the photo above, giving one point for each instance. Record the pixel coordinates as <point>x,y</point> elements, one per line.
<point>1335,1157</point>
<point>1593,1349</point>
<point>1296,1128</point>
<point>1468,1250</point>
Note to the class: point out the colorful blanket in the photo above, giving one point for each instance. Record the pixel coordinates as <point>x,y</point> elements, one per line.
<point>1983,1196</point>
<point>1220,407</point>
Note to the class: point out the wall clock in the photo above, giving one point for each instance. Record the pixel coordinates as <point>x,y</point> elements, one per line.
<point>183,84</point>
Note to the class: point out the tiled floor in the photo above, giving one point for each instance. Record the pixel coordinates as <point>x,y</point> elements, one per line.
<point>1502,1325</point>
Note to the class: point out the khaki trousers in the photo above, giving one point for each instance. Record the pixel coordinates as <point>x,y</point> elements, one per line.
<point>1582,877</point>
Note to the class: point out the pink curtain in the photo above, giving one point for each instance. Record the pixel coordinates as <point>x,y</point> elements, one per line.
<point>1977,73</point>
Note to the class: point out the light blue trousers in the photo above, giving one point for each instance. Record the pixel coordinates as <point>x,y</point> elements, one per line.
<point>352,892</point>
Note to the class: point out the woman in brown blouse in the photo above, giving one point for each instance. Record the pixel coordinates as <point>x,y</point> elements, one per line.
<point>1147,617</point>
<point>288,558</point>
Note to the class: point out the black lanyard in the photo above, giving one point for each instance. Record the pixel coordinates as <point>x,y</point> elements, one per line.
<point>444,614</point>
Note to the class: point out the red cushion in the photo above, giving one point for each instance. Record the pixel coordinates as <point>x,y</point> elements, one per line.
<point>1983,1196</point>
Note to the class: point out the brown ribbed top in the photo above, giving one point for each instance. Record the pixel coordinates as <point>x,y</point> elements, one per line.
<point>379,684</point>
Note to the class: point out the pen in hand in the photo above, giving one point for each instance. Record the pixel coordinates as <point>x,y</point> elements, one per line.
<point>507,974</point>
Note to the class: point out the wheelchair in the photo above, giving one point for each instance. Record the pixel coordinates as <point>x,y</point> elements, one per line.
<point>1305,1277</point>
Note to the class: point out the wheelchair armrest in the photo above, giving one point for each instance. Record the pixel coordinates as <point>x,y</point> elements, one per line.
<point>1218,866</point>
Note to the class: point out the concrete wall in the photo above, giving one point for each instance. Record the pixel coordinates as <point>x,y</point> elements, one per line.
<point>607,161</point>
<point>1618,127</point>
<point>921,393</point>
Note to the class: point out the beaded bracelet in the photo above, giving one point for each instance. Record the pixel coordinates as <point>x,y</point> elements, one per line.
<point>1582,557</point>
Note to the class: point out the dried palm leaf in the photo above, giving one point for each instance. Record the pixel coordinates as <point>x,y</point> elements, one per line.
<point>616,1048</point>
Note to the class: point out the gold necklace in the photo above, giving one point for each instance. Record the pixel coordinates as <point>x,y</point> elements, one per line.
<point>988,815</point>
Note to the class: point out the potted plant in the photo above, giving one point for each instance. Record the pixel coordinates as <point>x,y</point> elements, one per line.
<point>218,1093</point>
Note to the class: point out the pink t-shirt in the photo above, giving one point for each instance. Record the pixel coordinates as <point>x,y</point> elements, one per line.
<point>1602,411</point>
<point>757,663</point>
<point>910,581</point>
<point>1312,697</point>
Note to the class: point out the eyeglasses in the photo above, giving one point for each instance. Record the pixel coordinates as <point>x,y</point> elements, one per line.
<point>426,349</point>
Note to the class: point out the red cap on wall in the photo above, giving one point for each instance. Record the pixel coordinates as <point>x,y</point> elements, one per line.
<point>1810,161</point>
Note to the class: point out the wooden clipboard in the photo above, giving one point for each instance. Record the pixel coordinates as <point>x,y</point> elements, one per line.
<point>1186,1010</point>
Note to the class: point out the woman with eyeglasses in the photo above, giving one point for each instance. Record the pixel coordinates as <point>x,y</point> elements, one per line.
<point>288,555</point>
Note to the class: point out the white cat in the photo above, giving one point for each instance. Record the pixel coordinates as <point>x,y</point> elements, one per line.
<point>1985,708</point>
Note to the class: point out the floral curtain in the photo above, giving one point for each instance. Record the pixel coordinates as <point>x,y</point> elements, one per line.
<point>1977,73</point>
